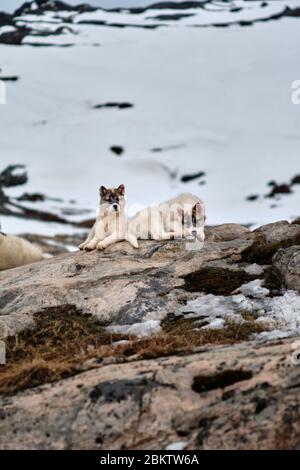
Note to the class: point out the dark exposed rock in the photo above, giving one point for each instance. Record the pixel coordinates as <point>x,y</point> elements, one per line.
<point>6,19</point>
<point>188,178</point>
<point>9,178</point>
<point>294,12</point>
<point>117,149</point>
<point>47,44</point>
<point>163,6</point>
<point>14,207</point>
<point>277,190</point>
<point>280,189</point>
<point>296,180</point>
<point>120,390</point>
<point>16,37</point>
<point>169,147</point>
<point>112,104</point>
<point>287,263</point>
<point>217,281</point>
<point>119,25</point>
<point>252,197</point>
<point>12,78</point>
<point>33,197</point>
<point>273,281</point>
<point>172,17</point>
<point>41,7</point>
<point>51,5</point>
<point>269,239</point>
<point>205,383</point>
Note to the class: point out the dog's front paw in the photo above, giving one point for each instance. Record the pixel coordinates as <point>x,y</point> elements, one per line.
<point>81,246</point>
<point>89,247</point>
<point>101,246</point>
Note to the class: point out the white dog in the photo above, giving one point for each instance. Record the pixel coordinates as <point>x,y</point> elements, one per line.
<point>180,217</point>
<point>111,222</point>
<point>15,251</point>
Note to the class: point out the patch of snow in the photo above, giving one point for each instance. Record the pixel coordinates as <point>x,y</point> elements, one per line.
<point>119,343</point>
<point>174,90</point>
<point>142,329</point>
<point>254,269</point>
<point>216,324</point>
<point>281,313</point>
<point>272,335</point>
<point>180,445</point>
<point>213,13</point>
<point>253,289</point>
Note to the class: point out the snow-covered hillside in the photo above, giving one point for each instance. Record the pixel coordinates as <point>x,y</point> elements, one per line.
<point>150,98</point>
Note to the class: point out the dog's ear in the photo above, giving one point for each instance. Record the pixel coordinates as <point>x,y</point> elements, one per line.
<point>196,209</point>
<point>198,212</point>
<point>102,191</point>
<point>121,189</point>
<point>181,214</point>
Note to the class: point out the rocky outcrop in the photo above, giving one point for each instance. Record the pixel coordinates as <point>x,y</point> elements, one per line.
<point>287,262</point>
<point>136,17</point>
<point>225,232</point>
<point>121,286</point>
<point>239,396</point>
<point>124,285</point>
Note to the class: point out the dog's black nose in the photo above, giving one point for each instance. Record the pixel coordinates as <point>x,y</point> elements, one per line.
<point>115,206</point>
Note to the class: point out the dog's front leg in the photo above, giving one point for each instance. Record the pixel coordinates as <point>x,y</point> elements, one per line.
<point>89,239</point>
<point>114,238</point>
<point>132,239</point>
<point>92,244</point>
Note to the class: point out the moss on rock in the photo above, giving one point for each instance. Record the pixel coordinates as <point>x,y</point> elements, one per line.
<point>217,281</point>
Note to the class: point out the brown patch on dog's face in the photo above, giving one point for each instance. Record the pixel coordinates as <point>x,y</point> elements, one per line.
<point>112,198</point>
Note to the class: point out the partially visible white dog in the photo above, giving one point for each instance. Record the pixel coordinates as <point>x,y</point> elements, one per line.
<point>15,251</point>
<point>111,222</point>
<point>180,217</point>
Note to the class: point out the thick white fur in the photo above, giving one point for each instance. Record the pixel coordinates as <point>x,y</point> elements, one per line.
<point>15,251</point>
<point>164,221</point>
<point>110,227</point>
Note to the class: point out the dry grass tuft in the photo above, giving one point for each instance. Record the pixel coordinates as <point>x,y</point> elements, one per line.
<point>64,339</point>
<point>58,346</point>
<point>181,335</point>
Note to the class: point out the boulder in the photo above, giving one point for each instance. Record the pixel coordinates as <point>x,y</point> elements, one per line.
<point>287,263</point>
<point>279,232</point>
<point>225,232</point>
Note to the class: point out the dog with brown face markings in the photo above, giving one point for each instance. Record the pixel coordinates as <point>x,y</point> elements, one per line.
<point>180,217</point>
<point>111,222</point>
